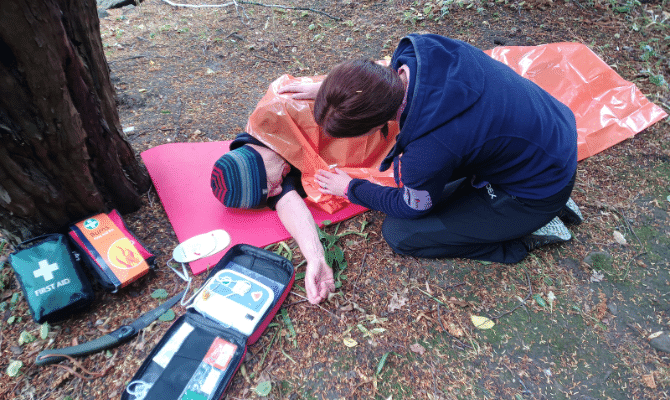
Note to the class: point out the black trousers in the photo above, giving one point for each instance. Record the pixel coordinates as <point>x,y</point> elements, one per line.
<point>481,224</point>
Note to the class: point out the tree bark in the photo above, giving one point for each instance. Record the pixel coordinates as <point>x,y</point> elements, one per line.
<point>62,151</point>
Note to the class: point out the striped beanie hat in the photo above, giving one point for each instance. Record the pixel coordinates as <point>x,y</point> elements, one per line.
<point>239,180</point>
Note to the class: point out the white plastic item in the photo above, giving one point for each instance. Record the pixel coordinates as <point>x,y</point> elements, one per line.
<point>234,299</point>
<point>201,246</point>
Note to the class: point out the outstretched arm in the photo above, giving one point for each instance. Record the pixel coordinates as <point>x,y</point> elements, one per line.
<point>298,221</point>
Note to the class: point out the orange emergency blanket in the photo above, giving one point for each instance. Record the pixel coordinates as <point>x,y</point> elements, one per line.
<point>608,110</point>
<point>287,126</point>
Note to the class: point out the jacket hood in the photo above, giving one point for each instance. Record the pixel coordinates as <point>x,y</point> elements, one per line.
<point>447,80</point>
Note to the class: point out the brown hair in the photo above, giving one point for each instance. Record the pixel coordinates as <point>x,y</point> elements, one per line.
<point>356,96</point>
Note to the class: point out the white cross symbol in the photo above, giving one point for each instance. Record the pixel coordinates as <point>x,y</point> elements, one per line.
<point>90,224</point>
<point>46,270</point>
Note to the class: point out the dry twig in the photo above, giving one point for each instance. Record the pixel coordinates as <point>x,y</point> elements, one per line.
<point>90,375</point>
<point>521,304</point>
<point>329,312</point>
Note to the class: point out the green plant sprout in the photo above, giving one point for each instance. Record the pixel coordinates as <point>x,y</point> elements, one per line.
<point>333,253</point>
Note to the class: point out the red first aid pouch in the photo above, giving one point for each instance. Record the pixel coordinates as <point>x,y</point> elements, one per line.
<point>200,353</point>
<point>112,253</point>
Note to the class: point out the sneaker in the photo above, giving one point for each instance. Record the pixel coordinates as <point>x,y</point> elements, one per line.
<point>554,232</point>
<point>570,213</point>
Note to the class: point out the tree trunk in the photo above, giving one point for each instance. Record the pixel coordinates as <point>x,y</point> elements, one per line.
<point>62,151</point>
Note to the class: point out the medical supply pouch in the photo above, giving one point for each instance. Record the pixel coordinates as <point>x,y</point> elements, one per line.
<point>203,349</point>
<point>112,253</point>
<point>52,280</point>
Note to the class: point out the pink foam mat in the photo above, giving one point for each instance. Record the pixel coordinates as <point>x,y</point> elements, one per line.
<point>181,175</point>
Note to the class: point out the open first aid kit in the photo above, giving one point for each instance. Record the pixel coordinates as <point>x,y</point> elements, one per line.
<point>113,254</point>
<point>198,356</point>
<point>52,280</point>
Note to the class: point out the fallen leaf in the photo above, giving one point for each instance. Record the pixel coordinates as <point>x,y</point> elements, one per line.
<point>455,330</point>
<point>159,294</point>
<point>417,348</point>
<point>539,300</point>
<point>655,335</point>
<point>482,322</point>
<point>332,295</point>
<point>649,381</point>
<point>398,300</point>
<point>380,366</point>
<point>375,320</point>
<point>422,315</point>
<point>458,302</point>
<point>167,316</point>
<point>357,307</point>
<point>596,276</point>
<point>104,329</point>
<point>348,307</point>
<point>263,389</point>
<point>551,297</point>
<point>349,342</point>
<point>13,368</point>
<point>619,238</point>
<point>25,337</point>
<point>59,380</point>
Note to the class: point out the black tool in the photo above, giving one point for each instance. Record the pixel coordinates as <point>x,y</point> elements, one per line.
<point>113,339</point>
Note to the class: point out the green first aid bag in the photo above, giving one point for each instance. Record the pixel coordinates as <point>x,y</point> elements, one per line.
<point>52,281</point>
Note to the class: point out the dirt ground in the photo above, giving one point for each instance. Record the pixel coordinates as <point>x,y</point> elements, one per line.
<point>573,321</point>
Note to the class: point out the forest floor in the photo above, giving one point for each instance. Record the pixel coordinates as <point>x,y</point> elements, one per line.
<point>580,320</point>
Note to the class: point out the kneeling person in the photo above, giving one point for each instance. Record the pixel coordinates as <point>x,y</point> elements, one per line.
<point>250,176</point>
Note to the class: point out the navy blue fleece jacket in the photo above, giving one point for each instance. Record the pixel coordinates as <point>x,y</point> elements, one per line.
<point>470,115</point>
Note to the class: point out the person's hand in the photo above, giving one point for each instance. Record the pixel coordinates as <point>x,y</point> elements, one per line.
<point>301,91</point>
<point>335,183</point>
<point>319,281</point>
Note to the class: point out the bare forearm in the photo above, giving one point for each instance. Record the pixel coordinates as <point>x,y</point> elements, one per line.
<point>300,224</point>
<point>297,219</point>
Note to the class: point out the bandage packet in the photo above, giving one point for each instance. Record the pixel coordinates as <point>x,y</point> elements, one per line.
<point>203,349</point>
<point>112,253</point>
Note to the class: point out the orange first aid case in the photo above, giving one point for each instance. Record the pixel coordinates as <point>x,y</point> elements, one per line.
<point>113,254</point>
